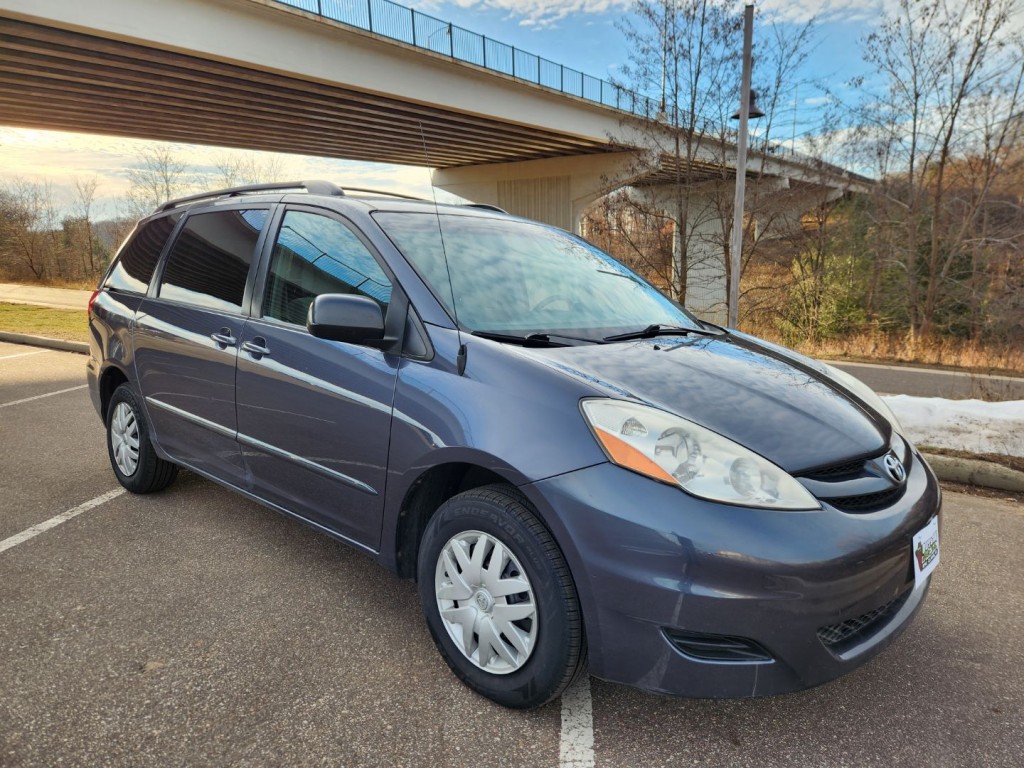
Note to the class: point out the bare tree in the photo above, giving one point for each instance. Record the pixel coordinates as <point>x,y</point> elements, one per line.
<point>237,168</point>
<point>679,50</point>
<point>84,198</point>
<point>952,74</point>
<point>159,175</point>
<point>30,244</point>
<point>683,53</point>
<point>637,235</point>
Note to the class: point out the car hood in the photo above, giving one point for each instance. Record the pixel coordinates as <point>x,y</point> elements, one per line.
<point>776,403</point>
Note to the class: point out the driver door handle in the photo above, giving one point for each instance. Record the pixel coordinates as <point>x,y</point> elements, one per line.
<point>224,338</point>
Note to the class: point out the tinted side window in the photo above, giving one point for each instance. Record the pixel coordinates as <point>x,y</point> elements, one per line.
<point>134,267</point>
<point>209,262</point>
<point>315,254</point>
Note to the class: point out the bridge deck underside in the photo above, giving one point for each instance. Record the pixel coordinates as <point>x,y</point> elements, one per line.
<point>63,80</point>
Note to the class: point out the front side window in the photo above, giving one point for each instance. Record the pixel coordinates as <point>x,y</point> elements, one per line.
<point>315,254</point>
<point>517,277</point>
<point>134,267</point>
<point>209,262</point>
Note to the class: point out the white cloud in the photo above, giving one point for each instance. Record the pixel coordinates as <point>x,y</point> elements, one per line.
<point>59,158</point>
<point>869,11</point>
<point>545,13</point>
<point>825,10</point>
<point>534,13</point>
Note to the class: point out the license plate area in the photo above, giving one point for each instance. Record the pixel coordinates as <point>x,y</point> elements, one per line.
<point>924,551</point>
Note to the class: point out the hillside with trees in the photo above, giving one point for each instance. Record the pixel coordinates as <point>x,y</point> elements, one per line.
<point>928,265</point>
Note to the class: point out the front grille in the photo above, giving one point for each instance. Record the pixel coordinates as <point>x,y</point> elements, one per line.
<point>856,487</point>
<point>865,502</point>
<point>838,470</point>
<point>839,637</point>
<point>716,647</point>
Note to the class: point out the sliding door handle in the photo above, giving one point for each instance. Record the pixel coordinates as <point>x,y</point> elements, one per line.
<point>256,347</point>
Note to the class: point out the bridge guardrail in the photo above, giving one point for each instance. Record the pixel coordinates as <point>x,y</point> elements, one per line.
<point>412,27</point>
<point>421,30</point>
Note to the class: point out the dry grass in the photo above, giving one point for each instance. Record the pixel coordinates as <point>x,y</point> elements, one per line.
<point>902,348</point>
<point>67,324</point>
<point>85,284</point>
<point>1015,463</point>
<point>82,284</point>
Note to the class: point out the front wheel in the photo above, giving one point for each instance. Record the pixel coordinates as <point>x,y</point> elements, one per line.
<point>132,456</point>
<point>499,599</point>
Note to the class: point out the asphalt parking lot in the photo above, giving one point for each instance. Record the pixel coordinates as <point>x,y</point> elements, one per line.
<point>193,627</point>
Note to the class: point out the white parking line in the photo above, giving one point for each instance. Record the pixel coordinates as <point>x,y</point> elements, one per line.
<point>576,745</point>
<point>40,397</point>
<point>63,517</point>
<point>23,354</point>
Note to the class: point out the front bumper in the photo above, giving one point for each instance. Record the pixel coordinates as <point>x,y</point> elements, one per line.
<point>652,563</point>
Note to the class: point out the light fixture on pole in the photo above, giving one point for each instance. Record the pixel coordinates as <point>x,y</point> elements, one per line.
<point>748,109</point>
<point>753,111</point>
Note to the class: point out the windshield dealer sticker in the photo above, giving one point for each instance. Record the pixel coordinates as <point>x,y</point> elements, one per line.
<point>926,551</point>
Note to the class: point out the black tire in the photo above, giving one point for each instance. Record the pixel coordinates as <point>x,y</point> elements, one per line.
<point>151,472</point>
<point>558,654</point>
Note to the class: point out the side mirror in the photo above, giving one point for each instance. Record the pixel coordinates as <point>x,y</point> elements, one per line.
<point>348,318</point>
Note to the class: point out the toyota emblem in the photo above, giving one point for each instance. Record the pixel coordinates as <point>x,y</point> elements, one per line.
<point>895,468</point>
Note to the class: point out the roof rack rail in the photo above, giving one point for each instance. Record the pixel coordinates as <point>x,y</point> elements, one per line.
<point>312,187</point>
<point>485,207</point>
<point>383,193</point>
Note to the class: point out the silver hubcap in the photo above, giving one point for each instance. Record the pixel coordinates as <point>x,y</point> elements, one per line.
<point>124,439</point>
<point>486,602</point>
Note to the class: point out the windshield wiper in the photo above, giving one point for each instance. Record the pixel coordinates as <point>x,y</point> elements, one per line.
<point>529,340</point>
<point>534,339</point>
<point>664,330</point>
<point>722,330</point>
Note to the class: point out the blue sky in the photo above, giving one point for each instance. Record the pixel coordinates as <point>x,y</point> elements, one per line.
<point>582,34</point>
<point>585,35</point>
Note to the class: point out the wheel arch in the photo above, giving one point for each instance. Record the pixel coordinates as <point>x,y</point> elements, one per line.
<point>432,488</point>
<point>111,378</point>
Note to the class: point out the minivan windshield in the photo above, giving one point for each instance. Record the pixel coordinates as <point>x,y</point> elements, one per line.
<point>519,278</point>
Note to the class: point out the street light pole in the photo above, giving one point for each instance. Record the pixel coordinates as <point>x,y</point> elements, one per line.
<point>736,250</point>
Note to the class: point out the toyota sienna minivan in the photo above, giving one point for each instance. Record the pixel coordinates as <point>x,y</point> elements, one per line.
<point>579,475</point>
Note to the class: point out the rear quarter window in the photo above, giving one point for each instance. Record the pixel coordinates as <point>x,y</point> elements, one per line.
<point>134,266</point>
<point>209,262</point>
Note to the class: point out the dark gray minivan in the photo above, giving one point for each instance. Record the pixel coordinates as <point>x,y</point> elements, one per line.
<point>576,471</point>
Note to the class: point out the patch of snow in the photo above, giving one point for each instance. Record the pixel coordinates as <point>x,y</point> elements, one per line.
<point>975,426</point>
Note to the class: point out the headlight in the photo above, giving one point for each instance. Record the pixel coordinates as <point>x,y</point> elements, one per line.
<point>865,393</point>
<point>701,462</point>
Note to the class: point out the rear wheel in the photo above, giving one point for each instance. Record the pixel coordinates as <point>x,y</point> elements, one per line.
<point>132,457</point>
<point>499,600</point>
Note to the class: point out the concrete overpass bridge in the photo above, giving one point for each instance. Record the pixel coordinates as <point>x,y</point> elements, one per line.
<point>323,77</point>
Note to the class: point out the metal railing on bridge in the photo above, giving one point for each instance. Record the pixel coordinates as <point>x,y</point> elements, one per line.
<point>405,25</point>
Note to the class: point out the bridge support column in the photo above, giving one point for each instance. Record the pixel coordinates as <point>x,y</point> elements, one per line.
<point>555,190</point>
<point>706,277</point>
<point>701,248</point>
<point>698,248</point>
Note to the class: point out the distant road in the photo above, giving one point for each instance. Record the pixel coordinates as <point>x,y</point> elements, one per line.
<point>934,382</point>
<point>58,298</point>
<point>887,379</point>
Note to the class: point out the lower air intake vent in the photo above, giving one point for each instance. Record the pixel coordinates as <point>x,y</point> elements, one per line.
<point>716,647</point>
<point>865,502</point>
<point>839,637</point>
